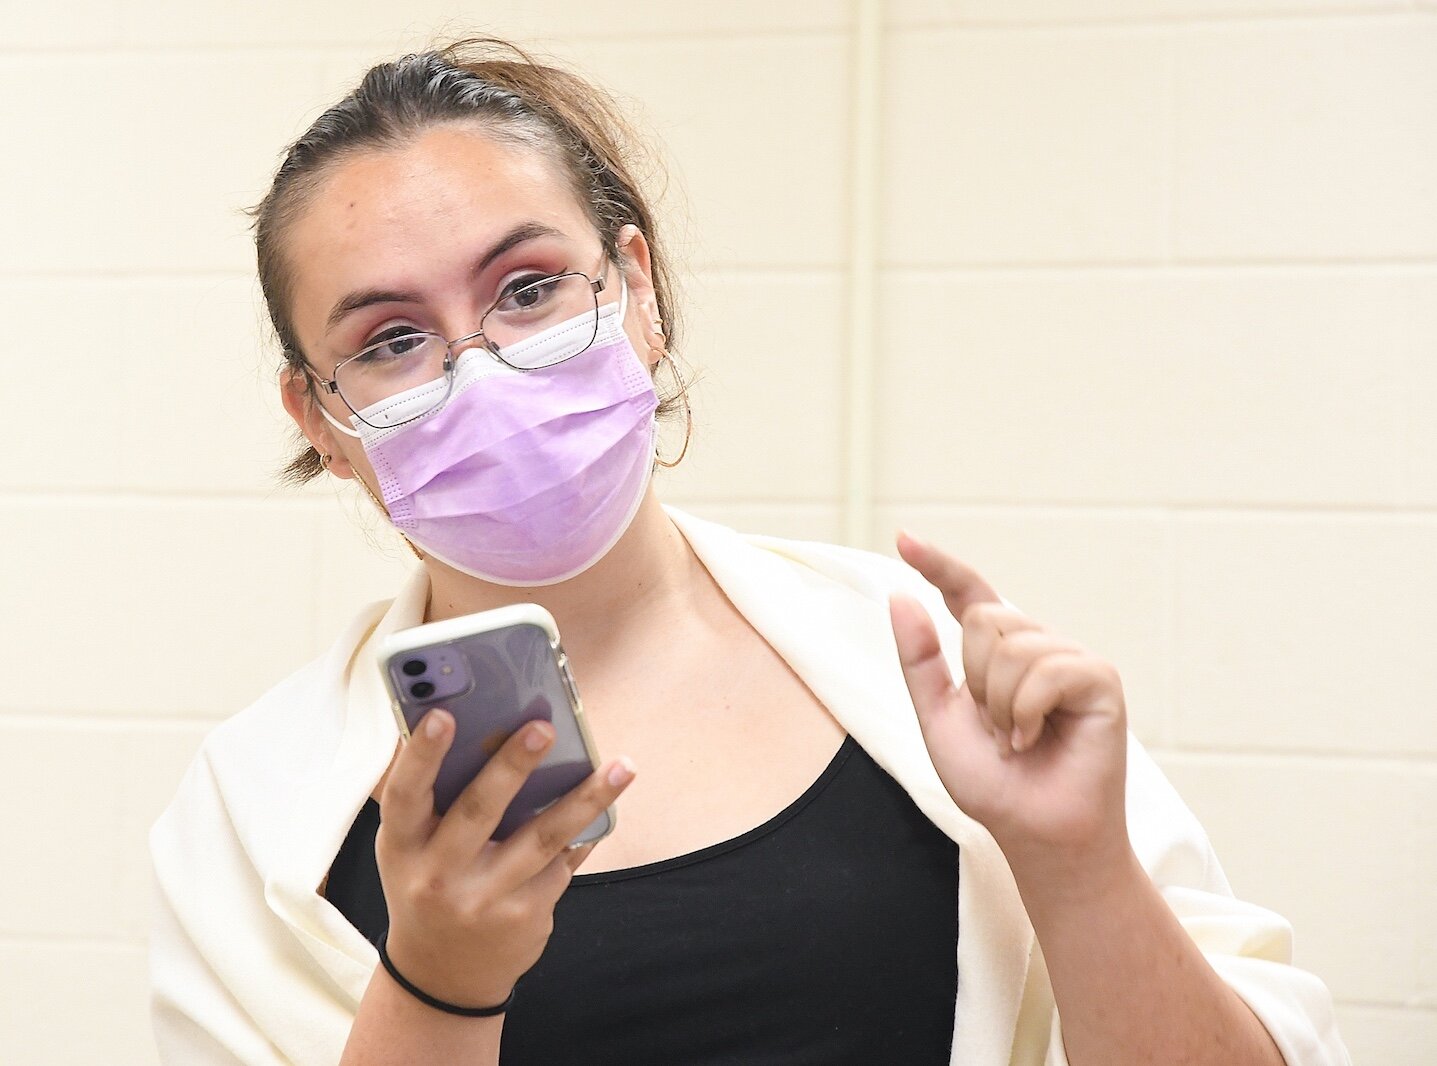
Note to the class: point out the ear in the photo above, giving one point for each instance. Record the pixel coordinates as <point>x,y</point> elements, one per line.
<point>643,321</point>
<point>297,393</point>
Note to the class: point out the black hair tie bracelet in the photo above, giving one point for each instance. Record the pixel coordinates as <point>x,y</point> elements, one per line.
<point>430,1001</point>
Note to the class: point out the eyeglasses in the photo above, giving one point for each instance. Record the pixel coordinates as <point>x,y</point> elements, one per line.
<point>408,373</point>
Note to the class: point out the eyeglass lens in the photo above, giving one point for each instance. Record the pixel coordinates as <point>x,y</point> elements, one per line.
<point>536,326</point>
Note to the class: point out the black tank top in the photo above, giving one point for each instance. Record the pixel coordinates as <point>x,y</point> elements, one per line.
<point>827,935</point>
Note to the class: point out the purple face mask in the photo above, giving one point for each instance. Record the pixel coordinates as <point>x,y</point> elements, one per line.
<point>524,477</point>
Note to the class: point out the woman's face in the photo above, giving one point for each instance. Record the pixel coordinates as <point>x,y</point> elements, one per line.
<point>428,235</point>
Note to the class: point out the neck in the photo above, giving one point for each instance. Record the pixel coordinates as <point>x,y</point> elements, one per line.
<point>649,571</point>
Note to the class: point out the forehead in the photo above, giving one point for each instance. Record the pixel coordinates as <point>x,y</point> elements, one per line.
<point>407,215</point>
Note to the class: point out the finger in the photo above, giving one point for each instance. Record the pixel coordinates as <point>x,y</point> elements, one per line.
<point>947,716</point>
<point>469,824</point>
<point>1073,682</point>
<point>1013,656</point>
<point>551,882</point>
<point>983,717</point>
<point>548,835</point>
<point>576,857</point>
<point>930,682</point>
<point>961,585</point>
<point>407,802</point>
<point>541,893</point>
<point>983,627</point>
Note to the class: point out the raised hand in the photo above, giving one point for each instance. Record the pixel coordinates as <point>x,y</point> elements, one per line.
<point>1033,743</point>
<point>468,915</point>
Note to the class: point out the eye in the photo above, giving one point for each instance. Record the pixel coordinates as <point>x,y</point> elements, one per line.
<point>527,292</point>
<point>396,342</point>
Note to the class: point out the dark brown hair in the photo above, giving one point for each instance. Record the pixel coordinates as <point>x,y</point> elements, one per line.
<point>512,97</point>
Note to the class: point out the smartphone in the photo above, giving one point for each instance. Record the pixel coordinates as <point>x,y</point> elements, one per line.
<point>494,672</point>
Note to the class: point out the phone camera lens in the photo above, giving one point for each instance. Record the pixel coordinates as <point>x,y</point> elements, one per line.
<point>414,667</point>
<point>421,690</point>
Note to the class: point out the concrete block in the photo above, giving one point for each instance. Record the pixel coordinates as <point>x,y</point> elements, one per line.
<point>153,757</point>
<point>62,782</point>
<point>81,866</point>
<point>274,23</point>
<point>1101,578</point>
<point>1393,1036</point>
<point>149,160</point>
<point>768,354</point>
<point>93,24</point>
<point>1127,386</point>
<point>1016,387</point>
<point>153,607</point>
<point>1024,146</point>
<point>705,110</point>
<point>906,12</point>
<point>1420,373</point>
<point>754,135</point>
<point>1307,141</point>
<point>1342,849</point>
<point>1311,632</point>
<point>1287,386</point>
<point>75,1004</point>
<point>168,386</point>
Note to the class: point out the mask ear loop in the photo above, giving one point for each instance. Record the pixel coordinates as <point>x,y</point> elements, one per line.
<point>337,424</point>
<point>656,342</point>
<point>325,460</point>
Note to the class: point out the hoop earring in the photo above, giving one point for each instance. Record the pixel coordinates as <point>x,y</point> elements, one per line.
<point>683,394</point>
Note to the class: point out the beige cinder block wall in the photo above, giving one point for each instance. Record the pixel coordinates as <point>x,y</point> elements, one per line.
<point>1131,303</point>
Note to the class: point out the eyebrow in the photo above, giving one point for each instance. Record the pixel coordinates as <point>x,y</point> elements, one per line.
<point>525,231</point>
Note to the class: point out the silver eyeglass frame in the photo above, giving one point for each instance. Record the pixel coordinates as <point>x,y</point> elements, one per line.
<point>331,384</point>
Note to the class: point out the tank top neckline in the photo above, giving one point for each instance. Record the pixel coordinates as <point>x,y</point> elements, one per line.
<point>723,847</point>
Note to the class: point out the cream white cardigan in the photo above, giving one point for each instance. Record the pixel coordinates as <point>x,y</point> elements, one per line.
<point>251,965</point>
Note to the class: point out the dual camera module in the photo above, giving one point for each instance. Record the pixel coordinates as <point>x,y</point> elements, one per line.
<point>430,674</point>
<point>420,690</point>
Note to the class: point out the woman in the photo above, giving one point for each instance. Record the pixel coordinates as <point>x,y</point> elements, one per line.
<point>471,295</point>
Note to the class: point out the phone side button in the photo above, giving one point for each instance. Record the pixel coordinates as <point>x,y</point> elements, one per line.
<point>568,678</point>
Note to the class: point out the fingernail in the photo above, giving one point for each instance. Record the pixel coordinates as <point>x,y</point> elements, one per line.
<point>1017,739</point>
<point>536,737</point>
<point>916,541</point>
<point>432,726</point>
<point>622,772</point>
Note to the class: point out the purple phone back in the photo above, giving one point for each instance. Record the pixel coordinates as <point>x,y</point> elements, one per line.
<point>513,677</point>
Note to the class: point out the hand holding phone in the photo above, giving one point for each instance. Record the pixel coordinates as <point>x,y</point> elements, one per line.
<point>468,915</point>
<point>493,672</point>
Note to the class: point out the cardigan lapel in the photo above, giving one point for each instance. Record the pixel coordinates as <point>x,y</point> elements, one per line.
<point>326,805</point>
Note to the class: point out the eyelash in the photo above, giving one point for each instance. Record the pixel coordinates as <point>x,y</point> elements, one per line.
<point>518,281</point>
